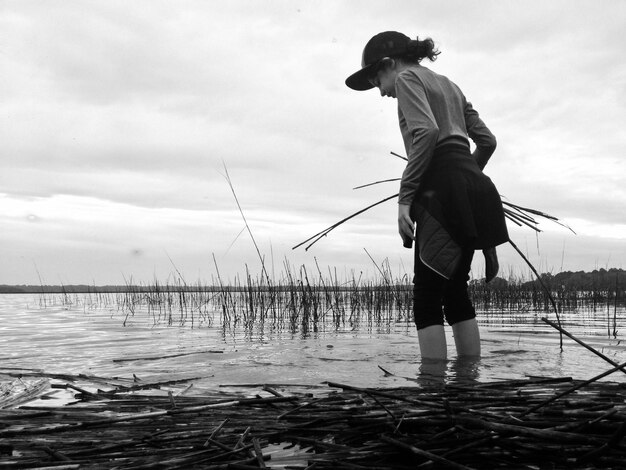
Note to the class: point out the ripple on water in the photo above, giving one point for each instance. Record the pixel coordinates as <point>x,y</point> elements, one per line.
<point>95,341</point>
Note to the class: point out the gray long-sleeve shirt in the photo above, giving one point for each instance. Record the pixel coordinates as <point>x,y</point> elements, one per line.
<point>432,109</point>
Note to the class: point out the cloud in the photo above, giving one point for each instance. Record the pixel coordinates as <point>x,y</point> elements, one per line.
<point>123,108</point>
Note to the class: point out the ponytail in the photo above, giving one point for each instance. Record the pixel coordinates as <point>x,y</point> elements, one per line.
<point>418,50</point>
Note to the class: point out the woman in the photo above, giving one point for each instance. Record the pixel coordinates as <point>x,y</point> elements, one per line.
<point>456,208</point>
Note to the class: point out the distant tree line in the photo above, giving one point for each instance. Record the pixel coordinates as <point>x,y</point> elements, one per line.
<point>613,279</point>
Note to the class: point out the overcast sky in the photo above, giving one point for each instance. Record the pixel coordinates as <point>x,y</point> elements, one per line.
<point>117,119</point>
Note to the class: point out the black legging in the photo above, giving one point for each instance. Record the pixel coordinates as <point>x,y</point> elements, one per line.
<point>435,296</point>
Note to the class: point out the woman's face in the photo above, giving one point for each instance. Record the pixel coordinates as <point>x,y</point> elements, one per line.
<point>385,81</point>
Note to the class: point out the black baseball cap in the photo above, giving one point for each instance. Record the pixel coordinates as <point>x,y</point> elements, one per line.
<point>385,44</point>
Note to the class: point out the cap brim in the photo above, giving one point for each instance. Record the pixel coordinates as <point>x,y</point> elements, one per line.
<point>360,80</point>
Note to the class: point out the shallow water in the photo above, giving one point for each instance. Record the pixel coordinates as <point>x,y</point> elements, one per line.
<point>72,340</point>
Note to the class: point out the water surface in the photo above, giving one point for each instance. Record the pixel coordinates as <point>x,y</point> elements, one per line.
<point>83,339</point>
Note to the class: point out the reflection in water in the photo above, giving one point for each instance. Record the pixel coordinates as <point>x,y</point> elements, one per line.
<point>460,371</point>
<point>432,372</point>
<point>465,370</point>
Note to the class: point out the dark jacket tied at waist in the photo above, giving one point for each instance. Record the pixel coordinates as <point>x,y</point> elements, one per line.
<point>456,207</point>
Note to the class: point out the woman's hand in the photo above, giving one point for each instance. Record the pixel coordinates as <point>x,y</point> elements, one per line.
<point>406,227</point>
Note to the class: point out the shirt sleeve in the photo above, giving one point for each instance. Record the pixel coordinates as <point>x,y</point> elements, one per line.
<point>477,130</point>
<point>422,131</point>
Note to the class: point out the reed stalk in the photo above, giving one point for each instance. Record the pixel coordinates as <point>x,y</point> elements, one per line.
<point>582,343</point>
<point>232,188</point>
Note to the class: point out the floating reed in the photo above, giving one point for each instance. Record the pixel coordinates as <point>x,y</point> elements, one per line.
<point>464,426</point>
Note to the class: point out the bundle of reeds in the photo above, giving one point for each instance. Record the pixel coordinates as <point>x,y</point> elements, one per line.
<point>520,216</point>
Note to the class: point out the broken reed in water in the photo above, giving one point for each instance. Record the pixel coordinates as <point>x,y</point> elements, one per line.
<point>532,423</point>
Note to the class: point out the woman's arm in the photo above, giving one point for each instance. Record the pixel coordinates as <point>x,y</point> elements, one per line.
<point>482,156</point>
<point>419,130</point>
<point>481,135</point>
<point>420,133</point>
